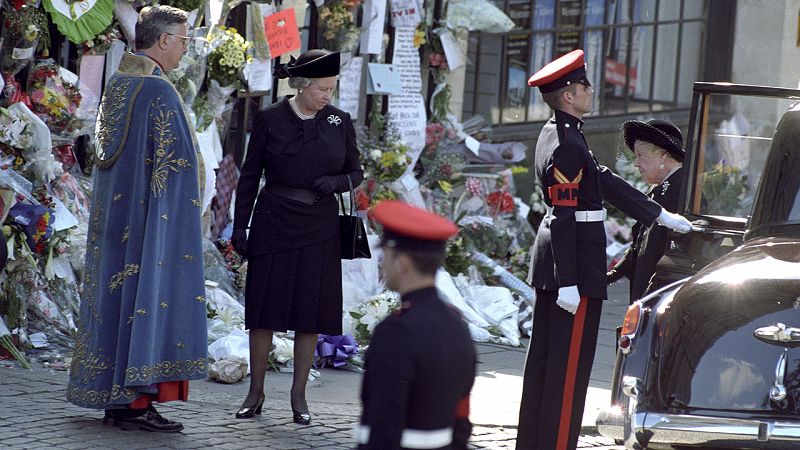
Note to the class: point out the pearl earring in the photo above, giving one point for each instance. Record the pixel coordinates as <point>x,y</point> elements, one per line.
<point>300,91</point>
<point>661,166</point>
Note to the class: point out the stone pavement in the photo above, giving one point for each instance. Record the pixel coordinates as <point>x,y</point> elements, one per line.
<point>34,414</point>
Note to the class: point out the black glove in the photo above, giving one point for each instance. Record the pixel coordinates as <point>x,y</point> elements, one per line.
<point>329,184</point>
<point>239,241</point>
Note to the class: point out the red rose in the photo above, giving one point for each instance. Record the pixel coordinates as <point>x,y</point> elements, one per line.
<point>500,201</point>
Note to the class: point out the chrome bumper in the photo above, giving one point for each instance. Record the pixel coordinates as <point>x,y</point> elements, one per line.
<point>655,430</point>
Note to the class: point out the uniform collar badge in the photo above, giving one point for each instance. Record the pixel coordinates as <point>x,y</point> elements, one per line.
<point>334,120</point>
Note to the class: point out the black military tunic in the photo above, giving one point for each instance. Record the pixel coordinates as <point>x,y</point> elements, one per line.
<point>420,367</point>
<point>649,242</point>
<point>568,252</point>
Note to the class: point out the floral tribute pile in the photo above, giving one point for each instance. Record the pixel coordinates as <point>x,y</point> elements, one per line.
<point>46,160</point>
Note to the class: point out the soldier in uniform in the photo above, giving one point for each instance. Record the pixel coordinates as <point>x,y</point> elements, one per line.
<point>568,267</point>
<point>420,365</point>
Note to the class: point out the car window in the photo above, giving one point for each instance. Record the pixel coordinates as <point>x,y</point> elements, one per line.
<point>733,146</point>
<point>779,196</point>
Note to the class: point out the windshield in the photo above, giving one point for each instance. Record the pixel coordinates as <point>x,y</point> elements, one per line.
<point>733,145</point>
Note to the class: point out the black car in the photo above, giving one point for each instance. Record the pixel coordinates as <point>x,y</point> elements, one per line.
<point>713,359</point>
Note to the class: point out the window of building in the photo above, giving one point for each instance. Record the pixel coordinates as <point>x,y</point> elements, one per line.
<point>643,56</point>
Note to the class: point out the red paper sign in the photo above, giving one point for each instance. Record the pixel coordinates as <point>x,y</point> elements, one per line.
<point>282,34</point>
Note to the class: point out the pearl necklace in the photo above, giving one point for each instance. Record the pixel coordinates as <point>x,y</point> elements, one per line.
<point>296,109</point>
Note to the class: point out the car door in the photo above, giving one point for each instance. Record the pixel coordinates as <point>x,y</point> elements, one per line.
<point>730,133</point>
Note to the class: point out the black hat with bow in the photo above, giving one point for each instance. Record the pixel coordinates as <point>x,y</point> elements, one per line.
<point>316,63</point>
<point>660,133</point>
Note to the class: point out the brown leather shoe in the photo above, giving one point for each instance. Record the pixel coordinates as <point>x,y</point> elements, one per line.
<point>151,420</point>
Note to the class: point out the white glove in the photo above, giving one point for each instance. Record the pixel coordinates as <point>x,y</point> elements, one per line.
<point>675,221</point>
<point>569,298</point>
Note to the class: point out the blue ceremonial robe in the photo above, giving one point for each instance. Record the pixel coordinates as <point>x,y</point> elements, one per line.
<point>143,313</point>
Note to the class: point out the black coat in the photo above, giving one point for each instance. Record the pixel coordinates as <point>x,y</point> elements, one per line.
<point>567,252</point>
<point>649,242</point>
<point>293,153</point>
<point>419,366</point>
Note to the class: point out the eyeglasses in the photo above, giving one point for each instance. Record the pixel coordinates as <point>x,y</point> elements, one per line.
<point>185,39</point>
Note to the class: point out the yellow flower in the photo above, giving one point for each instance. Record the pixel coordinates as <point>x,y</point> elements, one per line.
<point>419,38</point>
<point>445,186</point>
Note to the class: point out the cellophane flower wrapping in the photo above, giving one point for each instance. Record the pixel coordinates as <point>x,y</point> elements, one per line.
<point>25,144</point>
<point>370,313</point>
<point>191,71</point>
<point>478,15</point>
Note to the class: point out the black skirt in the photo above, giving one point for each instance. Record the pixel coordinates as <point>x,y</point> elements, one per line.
<point>298,289</point>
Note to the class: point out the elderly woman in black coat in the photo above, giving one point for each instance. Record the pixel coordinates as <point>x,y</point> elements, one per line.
<point>658,149</point>
<point>306,149</point>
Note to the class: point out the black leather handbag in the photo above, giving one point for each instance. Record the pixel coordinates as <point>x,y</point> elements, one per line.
<point>353,233</point>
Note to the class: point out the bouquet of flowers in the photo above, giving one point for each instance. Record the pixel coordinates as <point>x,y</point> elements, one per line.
<point>25,30</point>
<point>371,312</point>
<point>54,99</point>
<point>233,261</point>
<point>8,345</point>
<point>444,167</point>
<point>228,56</point>
<point>483,234</point>
<point>16,131</point>
<point>26,138</point>
<point>384,159</point>
<point>36,222</point>
<point>337,25</point>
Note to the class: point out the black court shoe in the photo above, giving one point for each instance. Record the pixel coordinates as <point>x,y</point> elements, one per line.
<point>151,420</point>
<point>248,412</point>
<point>301,418</point>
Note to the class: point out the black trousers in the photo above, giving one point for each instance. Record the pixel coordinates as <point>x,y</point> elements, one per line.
<point>557,371</point>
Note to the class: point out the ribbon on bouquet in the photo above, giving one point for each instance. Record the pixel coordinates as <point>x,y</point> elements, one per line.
<point>335,350</point>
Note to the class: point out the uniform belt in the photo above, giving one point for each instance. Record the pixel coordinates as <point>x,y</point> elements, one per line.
<point>301,195</point>
<point>598,215</point>
<point>412,438</point>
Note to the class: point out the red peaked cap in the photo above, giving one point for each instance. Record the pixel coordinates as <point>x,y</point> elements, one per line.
<point>559,73</point>
<point>412,228</point>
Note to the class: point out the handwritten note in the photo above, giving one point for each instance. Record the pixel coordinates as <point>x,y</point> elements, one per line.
<point>282,34</point>
<point>407,112</point>
<point>406,60</point>
<point>405,13</point>
<point>258,75</point>
<point>350,85</point>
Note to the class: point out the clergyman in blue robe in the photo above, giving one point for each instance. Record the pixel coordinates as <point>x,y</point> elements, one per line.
<point>142,326</point>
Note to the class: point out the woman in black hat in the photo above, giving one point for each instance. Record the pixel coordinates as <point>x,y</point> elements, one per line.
<point>307,151</point>
<point>658,149</point>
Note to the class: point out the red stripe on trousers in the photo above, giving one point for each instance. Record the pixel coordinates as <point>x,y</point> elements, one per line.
<point>572,373</point>
<point>462,409</point>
